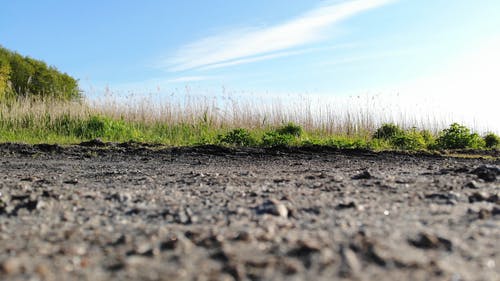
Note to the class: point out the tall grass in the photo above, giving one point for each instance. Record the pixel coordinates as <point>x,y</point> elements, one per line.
<point>190,119</point>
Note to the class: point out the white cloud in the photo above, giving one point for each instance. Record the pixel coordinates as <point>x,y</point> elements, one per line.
<point>239,46</point>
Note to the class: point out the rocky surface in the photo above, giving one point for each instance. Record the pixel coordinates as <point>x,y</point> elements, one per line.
<point>133,212</point>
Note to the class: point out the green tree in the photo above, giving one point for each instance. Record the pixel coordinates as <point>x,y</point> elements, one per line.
<point>31,77</point>
<point>4,77</point>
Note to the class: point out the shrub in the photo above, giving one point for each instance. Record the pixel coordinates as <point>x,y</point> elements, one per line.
<point>388,131</point>
<point>239,136</point>
<point>458,137</point>
<point>290,129</point>
<point>411,140</point>
<point>274,138</point>
<point>428,137</point>
<point>491,140</point>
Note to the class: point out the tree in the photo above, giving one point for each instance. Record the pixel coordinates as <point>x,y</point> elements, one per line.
<point>30,77</point>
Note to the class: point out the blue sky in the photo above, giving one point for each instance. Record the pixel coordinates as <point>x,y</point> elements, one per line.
<point>335,48</point>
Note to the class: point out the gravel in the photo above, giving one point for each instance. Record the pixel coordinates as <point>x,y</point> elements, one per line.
<point>102,211</point>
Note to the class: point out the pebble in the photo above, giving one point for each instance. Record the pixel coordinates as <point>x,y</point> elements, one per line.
<point>12,266</point>
<point>363,175</point>
<point>273,207</point>
<point>431,241</point>
<point>350,264</point>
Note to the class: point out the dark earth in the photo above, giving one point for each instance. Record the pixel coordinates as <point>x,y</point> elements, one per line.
<point>100,211</point>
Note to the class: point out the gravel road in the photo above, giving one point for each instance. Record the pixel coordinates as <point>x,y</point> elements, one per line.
<point>135,212</point>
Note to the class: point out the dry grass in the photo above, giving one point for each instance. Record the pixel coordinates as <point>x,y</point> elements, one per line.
<point>354,116</point>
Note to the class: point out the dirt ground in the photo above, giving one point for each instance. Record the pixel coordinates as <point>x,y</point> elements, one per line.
<point>133,212</point>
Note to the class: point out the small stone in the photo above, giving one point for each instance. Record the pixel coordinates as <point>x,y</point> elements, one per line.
<point>482,196</point>
<point>431,241</point>
<point>273,207</point>
<point>473,185</point>
<point>170,243</point>
<point>292,266</point>
<point>243,236</point>
<point>43,271</point>
<point>350,263</point>
<point>12,266</point>
<point>348,205</point>
<point>337,178</point>
<point>487,173</point>
<point>365,175</point>
<point>120,197</point>
<point>71,181</point>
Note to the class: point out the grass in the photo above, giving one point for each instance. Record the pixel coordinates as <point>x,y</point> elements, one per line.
<point>224,121</point>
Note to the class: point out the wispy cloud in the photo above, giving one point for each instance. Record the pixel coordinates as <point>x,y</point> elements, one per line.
<point>256,44</point>
<point>184,79</point>
<point>368,57</point>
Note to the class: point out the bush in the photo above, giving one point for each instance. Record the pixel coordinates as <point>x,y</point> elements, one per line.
<point>411,140</point>
<point>388,131</point>
<point>458,137</point>
<point>491,140</point>
<point>274,138</point>
<point>290,129</point>
<point>400,139</point>
<point>239,137</point>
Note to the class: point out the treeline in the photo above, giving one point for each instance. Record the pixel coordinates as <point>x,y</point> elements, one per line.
<point>22,76</point>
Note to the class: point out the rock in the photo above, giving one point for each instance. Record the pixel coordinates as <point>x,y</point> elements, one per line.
<point>350,204</point>
<point>305,247</point>
<point>12,266</point>
<point>473,185</point>
<point>273,207</point>
<point>449,198</point>
<point>292,266</point>
<point>487,173</point>
<point>350,264</point>
<point>482,196</point>
<point>426,240</point>
<point>71,181</point>
<point>120,197</point>
<point>365,175</point>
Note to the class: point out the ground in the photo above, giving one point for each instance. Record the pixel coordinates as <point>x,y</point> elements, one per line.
<point>134,212</point>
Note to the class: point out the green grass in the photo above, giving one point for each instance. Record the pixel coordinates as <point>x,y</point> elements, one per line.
<point>35,121</point>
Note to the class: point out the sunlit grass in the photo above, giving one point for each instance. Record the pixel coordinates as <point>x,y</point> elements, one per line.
<point>194,120</point>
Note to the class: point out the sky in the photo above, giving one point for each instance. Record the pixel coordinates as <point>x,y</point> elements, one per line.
<point>440,51</point>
